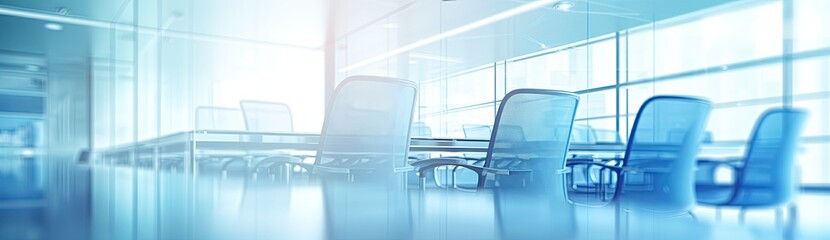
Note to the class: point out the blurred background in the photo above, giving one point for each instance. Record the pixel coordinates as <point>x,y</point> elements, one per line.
<point>81,77</point>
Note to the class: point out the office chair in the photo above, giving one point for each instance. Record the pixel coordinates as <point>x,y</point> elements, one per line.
<point>361,162</point>
<point>656,175</point>
<point>525,165</point>
<point>219,118</point>
<point>420,129</point>
<point>476,131</point>
<point>267,116</point>
<point>580,179</point>
<point>443,175</point>
<point>764,176</point>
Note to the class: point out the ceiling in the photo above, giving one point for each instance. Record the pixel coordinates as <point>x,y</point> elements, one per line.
<point>369,27</point>
<point>409,24</point>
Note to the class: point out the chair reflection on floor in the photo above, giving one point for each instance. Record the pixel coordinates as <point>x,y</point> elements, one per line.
<point>525,165</point>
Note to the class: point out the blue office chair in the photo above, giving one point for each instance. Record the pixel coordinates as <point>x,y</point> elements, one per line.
<point>476,131</point>
<point>441,176</point>
<point>361,161</point>
<point>764,177</point>
<point>262,116</point>
<point>583,178</point>
<point>420,129</point>
<point>584,185</point>
<point>525,165</point>
<point>656,175</point>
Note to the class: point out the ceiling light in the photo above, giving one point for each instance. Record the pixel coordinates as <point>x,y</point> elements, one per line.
<point>27,152</point>
<point>32,68</point>
<point>563,6</point>
<point>390,26</point>
<point>432,57</point>
<point>453,32</point>
<point>53,26</point>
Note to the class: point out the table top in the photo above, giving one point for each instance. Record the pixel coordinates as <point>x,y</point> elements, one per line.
<point>203,141</point>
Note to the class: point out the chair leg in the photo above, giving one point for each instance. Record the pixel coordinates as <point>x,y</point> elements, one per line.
<point>717,214</point>
<point>617,220</point>
<point>779,217</point>
<point>789,231</point>
<point>742,215</point>
<point>422,182</point>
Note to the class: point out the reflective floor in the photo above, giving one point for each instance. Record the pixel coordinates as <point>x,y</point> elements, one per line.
<point>235,204</point>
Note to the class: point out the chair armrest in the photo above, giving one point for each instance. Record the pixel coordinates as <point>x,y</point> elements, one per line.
<point>326,169</point>
<point>594,160</point>
<point>478,169</point>
<point>428,164</point>
<point>592,163</point>
<point>277,159</point>
<point>432,161</point>
<point>645,170</point>
<point>734,162</point>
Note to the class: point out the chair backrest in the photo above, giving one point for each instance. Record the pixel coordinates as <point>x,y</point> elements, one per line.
<point>267,116</point>
<point>366,131</point>
<point>367,124</point>
<point>664,143</point>
<point>476,131</point>
<point>219,118</point>
<point>532,124</point>
<point>531,136</point>
<point>607,136</point>
<point>420,129</point>
<point>767,177</point>
<point>583,133</point>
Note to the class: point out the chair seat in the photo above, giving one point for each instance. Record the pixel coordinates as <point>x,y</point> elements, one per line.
<point>710,194</point>
<point>751,196</point>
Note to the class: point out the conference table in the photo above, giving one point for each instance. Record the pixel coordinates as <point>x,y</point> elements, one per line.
<point>187,147</point>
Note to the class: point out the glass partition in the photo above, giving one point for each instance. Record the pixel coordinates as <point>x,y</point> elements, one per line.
<point>745,57</point>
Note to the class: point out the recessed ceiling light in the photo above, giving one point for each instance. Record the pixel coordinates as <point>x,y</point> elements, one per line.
<point>53,26</point>
<point>563,6</point>
<point>390,26</point>
<point>32,68</point>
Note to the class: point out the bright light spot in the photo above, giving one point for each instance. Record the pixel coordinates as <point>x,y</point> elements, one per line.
<point>32,68</point>
<point>27,152</point>
<point>390,26</point>
<point>563,6</point>
<point>53,26</point>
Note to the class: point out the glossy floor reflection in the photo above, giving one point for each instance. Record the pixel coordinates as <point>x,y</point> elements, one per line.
<point>234,204</point>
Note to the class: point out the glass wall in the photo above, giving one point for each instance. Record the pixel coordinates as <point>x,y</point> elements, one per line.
<point>168,58</point>
<point>745,57</point>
